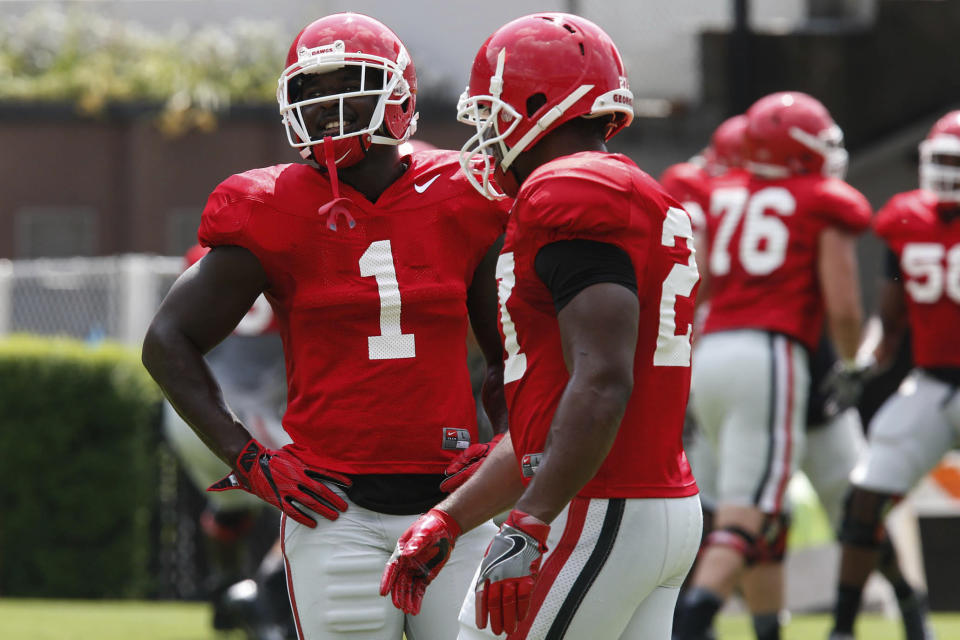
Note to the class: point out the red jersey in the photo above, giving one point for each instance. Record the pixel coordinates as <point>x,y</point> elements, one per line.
<point>689,184</point>
<point>606,198</point>
<point>763,238</point>
<point>372,313</point>
<point>928,249</point>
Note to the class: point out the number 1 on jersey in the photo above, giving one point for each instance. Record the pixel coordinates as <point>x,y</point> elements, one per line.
<point>377,262</point>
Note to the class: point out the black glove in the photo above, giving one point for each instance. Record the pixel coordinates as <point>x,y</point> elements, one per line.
<point>844,385</point>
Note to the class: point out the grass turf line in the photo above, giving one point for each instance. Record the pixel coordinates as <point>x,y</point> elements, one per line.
<point>122,620</point>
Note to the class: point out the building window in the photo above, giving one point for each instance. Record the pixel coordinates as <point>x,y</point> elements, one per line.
<point>55,231</point>
<point>182,225</point>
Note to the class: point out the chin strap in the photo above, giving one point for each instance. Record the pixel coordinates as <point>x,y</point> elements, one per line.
<point>338,206</point>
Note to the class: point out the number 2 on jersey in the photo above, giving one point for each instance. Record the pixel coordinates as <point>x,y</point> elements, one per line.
<point>392,343</point>
<point>674,350</point>
<point>516,363</point>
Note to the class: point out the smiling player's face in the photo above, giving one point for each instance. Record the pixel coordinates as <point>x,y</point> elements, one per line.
<point>323,118</point>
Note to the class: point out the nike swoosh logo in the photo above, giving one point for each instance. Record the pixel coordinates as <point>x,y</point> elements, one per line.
<point>518,544</point>
<point>420,188</point>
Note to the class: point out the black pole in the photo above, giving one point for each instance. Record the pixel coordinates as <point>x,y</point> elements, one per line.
<point>740,60</point>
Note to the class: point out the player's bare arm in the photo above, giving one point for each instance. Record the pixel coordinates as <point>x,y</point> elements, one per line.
<point>892,309</point>
<point>493,489</point>
<point>598,330</point>
<point>202,308</point>
<point>840,286</point>
<point>482,309</point>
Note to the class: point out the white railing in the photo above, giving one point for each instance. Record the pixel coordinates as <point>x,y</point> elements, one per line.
<point>86,298</point>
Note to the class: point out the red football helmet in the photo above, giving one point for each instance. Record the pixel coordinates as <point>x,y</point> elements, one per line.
<point>790,133</point>
<point>350,39</point>
<point>727,146</point>
<point>940,159</point>
<point>531,76</point>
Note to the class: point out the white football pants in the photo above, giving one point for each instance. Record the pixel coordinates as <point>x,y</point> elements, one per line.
<point>612,571</point>
<point>334,570</point>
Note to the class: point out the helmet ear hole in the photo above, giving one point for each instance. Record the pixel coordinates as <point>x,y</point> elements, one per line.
<point>534,103</point>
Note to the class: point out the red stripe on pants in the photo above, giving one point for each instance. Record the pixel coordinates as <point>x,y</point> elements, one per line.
<point>788,424</point>
<point>576,516</point>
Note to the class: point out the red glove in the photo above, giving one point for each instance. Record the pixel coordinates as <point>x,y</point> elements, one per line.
<point>280,478</point>
<point>467,464</point>
<point>509,571</point>
<point>421,552</point>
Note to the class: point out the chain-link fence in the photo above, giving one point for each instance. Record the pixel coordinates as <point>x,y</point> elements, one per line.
<point>85,298</point>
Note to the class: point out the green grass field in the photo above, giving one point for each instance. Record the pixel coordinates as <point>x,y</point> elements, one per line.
<point>101,620</point>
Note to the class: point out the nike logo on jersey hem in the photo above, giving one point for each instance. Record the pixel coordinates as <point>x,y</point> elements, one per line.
<point>420,188</point>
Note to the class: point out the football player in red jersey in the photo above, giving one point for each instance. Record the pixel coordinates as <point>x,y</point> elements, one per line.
<point>596,278</point>
<point>372,261</point>
<point>781,240</point>
<point>917,425</point>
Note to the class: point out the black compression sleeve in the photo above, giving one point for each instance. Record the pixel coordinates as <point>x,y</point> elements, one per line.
<point>568,267</point>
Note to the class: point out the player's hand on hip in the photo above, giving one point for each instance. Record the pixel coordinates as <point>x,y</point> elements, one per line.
<point>280,478</point>
<point>509,571</point>
<point>467,463</point>
<point>421,552</point>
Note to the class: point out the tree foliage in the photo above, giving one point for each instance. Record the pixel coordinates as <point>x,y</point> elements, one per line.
<point>190,74</point>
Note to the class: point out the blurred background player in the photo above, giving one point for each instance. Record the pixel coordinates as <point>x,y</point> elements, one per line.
<point>834,442</point>
<point>781,240</point>
<point>373,263</point>
<point>834,432</point>
<point>914,428</point>
<point>248,365</point>
<point>597,277</point>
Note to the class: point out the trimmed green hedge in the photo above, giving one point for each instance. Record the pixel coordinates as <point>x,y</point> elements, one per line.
<point>77,469</point>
